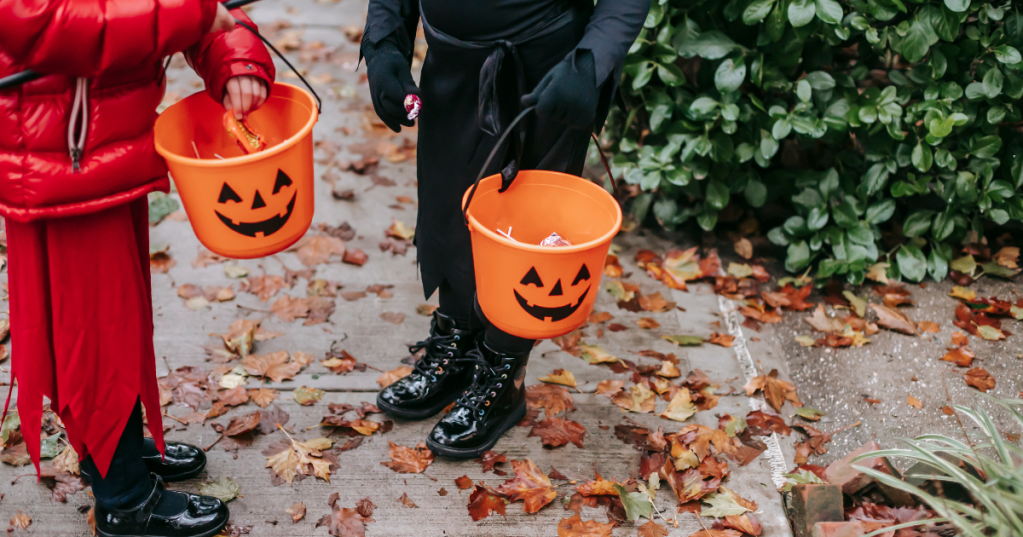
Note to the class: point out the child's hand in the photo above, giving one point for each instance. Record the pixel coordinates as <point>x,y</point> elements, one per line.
<point>244,94</point>
<point>224,21</point>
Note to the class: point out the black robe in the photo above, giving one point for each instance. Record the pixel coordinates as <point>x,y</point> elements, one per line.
<point>475,55</point>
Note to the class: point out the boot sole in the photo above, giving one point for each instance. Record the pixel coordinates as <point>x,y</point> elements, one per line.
<point>471,453</point>
<point>416,415</point>
<point>207,533</point>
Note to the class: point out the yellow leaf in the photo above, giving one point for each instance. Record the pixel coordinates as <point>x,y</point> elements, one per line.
<point>962,293</point>
<point>560,376</point>
<point>878,273</point>
<point>740,270</point>
<point>681,407</point>
<point>990,333</point>
<point>596,355</point>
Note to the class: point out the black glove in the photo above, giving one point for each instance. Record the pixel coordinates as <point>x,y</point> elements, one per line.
<point>390,80</point>
<point>568,93</point>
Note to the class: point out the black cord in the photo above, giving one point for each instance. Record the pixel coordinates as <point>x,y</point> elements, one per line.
<point>319,102</point>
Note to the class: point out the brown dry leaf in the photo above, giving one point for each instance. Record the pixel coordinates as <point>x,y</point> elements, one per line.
<point>67,462</point>
<point>426,310</point>
<point>392,376</point>
<point>928,326</point>
<point>744,248</point>
<point>313,251</point>
<point>822,323</point>
<point>638,398</point>
<point>598,487</point>
<point>21,521</point>
<point>405,460</point>
<point>264,287</point>
<point>289,308</point>
<point>681,406</point>
<point>979,378</point>
<point>914,402</point>
<point>668,370</point>
<point>296,512</point>
<point>482,503</point>
<point>609,387</point>
<point>647,323</point>
<point>555,432</point>
<point>242,424</point>
<point>575,526</point>
<point>407,502</point>
<point>962,357</point>
<point>263,396</point>
<point>530,485</point>
<point>655,303</point>
<point>723,340</point>
<point>305,395</point>
<point>597,318</point>
<point>651,528</point>
<point>894,319</point>
<point>553,399</point>
<point>393,317</point>
<point>776,391</point>
<point>1007,257</point>
<point>346,522</point>
<point>399,230</point>
<point>240,335</point>
<point>559,376</point>
<point>463,483</point>
<point>276,366</point>
<point>354,256</point>
<point>320,309</point>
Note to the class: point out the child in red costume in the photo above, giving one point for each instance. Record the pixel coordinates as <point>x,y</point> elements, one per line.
<point>76,163</point>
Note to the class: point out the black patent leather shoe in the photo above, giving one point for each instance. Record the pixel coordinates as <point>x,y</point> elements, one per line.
<point>180,461</point>
<point>494,403</point>
<point>439,376</point>
<point>202,516</point>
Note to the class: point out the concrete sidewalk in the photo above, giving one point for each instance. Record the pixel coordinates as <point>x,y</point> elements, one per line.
<point>182,336</point>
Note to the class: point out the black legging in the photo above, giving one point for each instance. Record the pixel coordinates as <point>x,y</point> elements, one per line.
<point>127,482</point>
<point>459,302</point>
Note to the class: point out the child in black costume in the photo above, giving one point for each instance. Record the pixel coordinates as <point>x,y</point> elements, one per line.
<point>487,60</point>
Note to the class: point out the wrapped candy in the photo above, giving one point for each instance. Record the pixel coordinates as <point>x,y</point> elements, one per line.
<point>413,105</point>
<point>554,240</point>
<point>247,140</point>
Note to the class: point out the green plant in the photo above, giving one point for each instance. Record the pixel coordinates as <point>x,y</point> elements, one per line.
<point>887,130</point>
<point>999,493</point>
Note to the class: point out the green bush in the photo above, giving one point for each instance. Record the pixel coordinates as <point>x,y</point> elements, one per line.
<point>883,130</point>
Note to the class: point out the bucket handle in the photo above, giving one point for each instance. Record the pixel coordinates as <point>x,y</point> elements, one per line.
<point>319,102</point>
<point>497,147</point>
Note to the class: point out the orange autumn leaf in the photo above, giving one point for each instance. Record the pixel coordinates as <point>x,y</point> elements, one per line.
<point>405,460</point>
<point>776,391</point>
<point>962,357</point>
<point>482,503</point>
<point>724,340</point>
<point>894,319</point>
<point>647,323</point>
<point>559,376</point>
<point>392,376</point>
<point>553,399</point>
<point>979,378</point>
<point>530,485</point>
<point>555,432</point>
<point>597,487</point>
<point>914,402</point>
<point>576,527</point>
<point>928,326</point>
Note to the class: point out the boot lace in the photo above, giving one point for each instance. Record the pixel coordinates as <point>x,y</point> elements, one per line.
<point>440,350</point>
<point>486,380</point>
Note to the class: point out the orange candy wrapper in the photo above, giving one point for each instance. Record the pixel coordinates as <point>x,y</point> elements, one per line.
<point>248,141</point>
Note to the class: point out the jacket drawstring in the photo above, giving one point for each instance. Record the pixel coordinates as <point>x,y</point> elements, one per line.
<point>79,108</point>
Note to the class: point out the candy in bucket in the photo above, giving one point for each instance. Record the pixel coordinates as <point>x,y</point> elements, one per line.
<point>552,241</point>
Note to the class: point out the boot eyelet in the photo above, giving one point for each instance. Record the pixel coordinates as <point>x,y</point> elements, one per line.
<point>486,403</point>
<point>440,369</point>
<point>498,384</point>
<point>433,378</point>
<point>481,412</point>
<point>493,394</point>
<point>457,338</point>
<point>504,376</point>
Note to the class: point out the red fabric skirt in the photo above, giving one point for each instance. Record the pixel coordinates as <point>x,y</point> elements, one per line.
<point>82,326</point>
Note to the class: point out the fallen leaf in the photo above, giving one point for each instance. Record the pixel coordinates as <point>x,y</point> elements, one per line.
<point>223,489</point>
<point>776,391</point>
<point>307,396</point>
<point>392,376</point>
<point>263,396</point>
<point>354,256</point>
<point>723,340</point>
<point>744,248</point>
<point>559,376</point>
<point>725,503</point>
<point>655,303</point>
<point>463,483</point>
<point>21,521</point>
<point>296,512</point>
<point>399,230</point>
<point>962,357</point>
<point>806,341</point>
<point>929,327</point>
<point>914,402</point>
<point>685,341</point>
<point>962,293</point>
<point>530,485</point>
<point>405,460</point>
<point>878,272</point>
<point>638,398</point>
<point>681,406</point>
<point>1007,257</point>
<point>647,323</point>
<point>482,503</point>
<point>63,485</point>
<point>551,398</point>
<point>811,414</point>
<point>651,528</point>
<point>894,319</point>
<point>609,387</point>
<point>576,527</point>
<point>594,354</point>
<point>264,287</point>
<point>407,502</point>
<point>393,317</point>
<point>289,308</point>
<point>555,432</point>
<point>426,310</point>
<point>822,323</point>
<point>979,378</point>
<point>490,459</point>
<point>312,251</point>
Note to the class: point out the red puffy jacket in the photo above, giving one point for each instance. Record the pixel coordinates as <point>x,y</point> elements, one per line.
<point>59,159</point>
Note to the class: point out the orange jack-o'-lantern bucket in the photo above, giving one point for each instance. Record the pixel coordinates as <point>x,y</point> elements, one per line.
<point>243,205</point>
<point>525,289</point>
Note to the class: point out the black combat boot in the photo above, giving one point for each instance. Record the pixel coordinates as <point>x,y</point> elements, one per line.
<point>439,376</point>
<point>494,403</point>
<point>195,516</point>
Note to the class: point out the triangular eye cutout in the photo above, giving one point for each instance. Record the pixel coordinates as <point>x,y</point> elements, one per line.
<point>584,274</point>
<point>557,290</point>
<point>228,194</point>
<point>258,202</point>
<point>282,181</point>
<point>532,277</point>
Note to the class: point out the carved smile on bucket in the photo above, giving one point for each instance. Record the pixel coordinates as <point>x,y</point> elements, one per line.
<point>238,211</point>
<point>554,313</point>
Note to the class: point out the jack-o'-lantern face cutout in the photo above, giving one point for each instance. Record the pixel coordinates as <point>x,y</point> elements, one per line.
<point>551,304</point>
<point>245,217</point>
